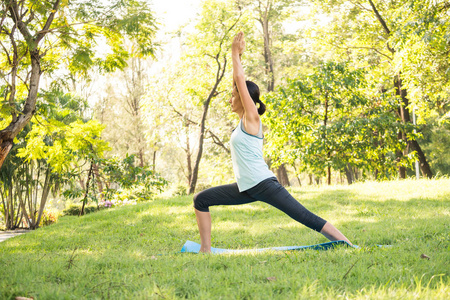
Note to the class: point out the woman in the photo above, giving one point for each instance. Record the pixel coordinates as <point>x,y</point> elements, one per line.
<point>255,182</point>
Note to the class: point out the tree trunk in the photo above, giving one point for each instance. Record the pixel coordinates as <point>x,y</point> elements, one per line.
<point>264,15</point>
<point>87,188</point>
<point>406,118</point>
<point>33,201</point>
<point>348,173</point>
<point>193,179</point>
<point>324,136</point>
<point>24,210</point>
<point>400,154</point>
<point>5,147</point>
<point>154,162</point>
<point>188,153</point>
<point>297,175</point>
<point>424,166</point>
<point>141,156</point>
<point>4,204</point>
<point>355,174</point>
<point>99,182</point>
<point>219,76</point>
<point>264,20</point>
<point>329,175</point>
<point>8,134</point>
<point>8,204</point>
<point>282,175</point>
<point>404,112</point>
<point>44,196</point>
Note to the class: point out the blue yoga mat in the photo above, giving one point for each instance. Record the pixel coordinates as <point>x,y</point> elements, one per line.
<point>192,247</point>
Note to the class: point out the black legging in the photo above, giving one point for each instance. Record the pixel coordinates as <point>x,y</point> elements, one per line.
<point>269,191</point>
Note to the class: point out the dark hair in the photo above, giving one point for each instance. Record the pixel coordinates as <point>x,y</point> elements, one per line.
<point>253,90</point>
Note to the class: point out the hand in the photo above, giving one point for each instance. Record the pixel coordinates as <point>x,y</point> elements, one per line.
<point>238,45</point>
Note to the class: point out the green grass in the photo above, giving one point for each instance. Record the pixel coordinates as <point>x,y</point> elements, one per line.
<point>114,254</point>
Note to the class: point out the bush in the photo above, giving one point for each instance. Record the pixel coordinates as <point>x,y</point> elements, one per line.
<point>180,190</point>
<point>74,210</point>
<point>48,218</point>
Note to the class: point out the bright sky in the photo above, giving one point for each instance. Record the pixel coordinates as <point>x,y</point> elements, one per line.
<point>173,13</point>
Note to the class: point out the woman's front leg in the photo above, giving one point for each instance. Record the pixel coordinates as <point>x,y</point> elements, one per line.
<point>333,234</point>
<point>204,227</point>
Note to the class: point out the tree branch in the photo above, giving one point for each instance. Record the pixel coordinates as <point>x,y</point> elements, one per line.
<point>357,3</point>
<point>226,33</point>
<point>3,16</point>
<point>380,19</point>
<point>383,23</point>
<point>215,138</point>
<point>14,10</point>
<point>7,53</point>
<point>217,141</point>
<point>69,25</point>
<point>444,7</point>
<point>49,21</point>
<point>31,18</point>
<point>368,48</point>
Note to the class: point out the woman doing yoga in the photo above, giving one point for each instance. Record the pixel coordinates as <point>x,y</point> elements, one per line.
<point>254,180</point>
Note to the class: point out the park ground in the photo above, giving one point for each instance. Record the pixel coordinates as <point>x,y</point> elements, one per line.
<point>133,252</point>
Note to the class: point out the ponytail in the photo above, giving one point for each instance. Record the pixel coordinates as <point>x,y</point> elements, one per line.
<point>261,108</point>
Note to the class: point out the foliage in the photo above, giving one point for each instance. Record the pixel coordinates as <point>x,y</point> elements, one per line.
<point>62,144</point>
<point>133,251</point>
<point>134,183</point>
<point>422,37</point>
<point>180,190</point>
<point>48,37</point>
<point>329,119</point>
<point>269,56</point>
<point>74,210</point>
<point>125,183</point>
<point>49,218</point>
<point>437,145</point>
<point>76,30</point>
<point>47,155</point>
<point>400,43</point>
<point>413,42</point>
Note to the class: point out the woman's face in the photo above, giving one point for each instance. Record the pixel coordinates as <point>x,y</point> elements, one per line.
<point>235,100</point>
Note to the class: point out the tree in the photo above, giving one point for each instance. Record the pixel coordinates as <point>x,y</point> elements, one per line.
<point>328,120</point>
<point>210,47</point>
<point>368,33</point>
<point>125,92</point>
<point>36,36</point>
<point>44,156</point>
<point>270,14</point>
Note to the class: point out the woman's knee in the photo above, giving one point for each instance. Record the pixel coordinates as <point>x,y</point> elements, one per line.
<point>200,202</point>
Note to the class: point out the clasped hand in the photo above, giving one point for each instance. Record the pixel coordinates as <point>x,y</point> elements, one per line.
<point>238,45</point>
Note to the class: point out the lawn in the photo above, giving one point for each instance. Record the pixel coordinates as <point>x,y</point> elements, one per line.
<point>132,252</point>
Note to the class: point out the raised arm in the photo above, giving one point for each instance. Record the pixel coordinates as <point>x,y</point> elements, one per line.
<point>251,117</point>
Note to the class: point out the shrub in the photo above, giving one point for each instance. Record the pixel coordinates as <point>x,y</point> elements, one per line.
<point>48,218</point>
<point>180,190</point>
<point>74,210</point>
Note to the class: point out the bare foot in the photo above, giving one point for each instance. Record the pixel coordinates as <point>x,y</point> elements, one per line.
<point>333,234</point>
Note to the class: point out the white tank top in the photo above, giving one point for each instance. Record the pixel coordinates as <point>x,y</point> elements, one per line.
<point>247,157</point>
